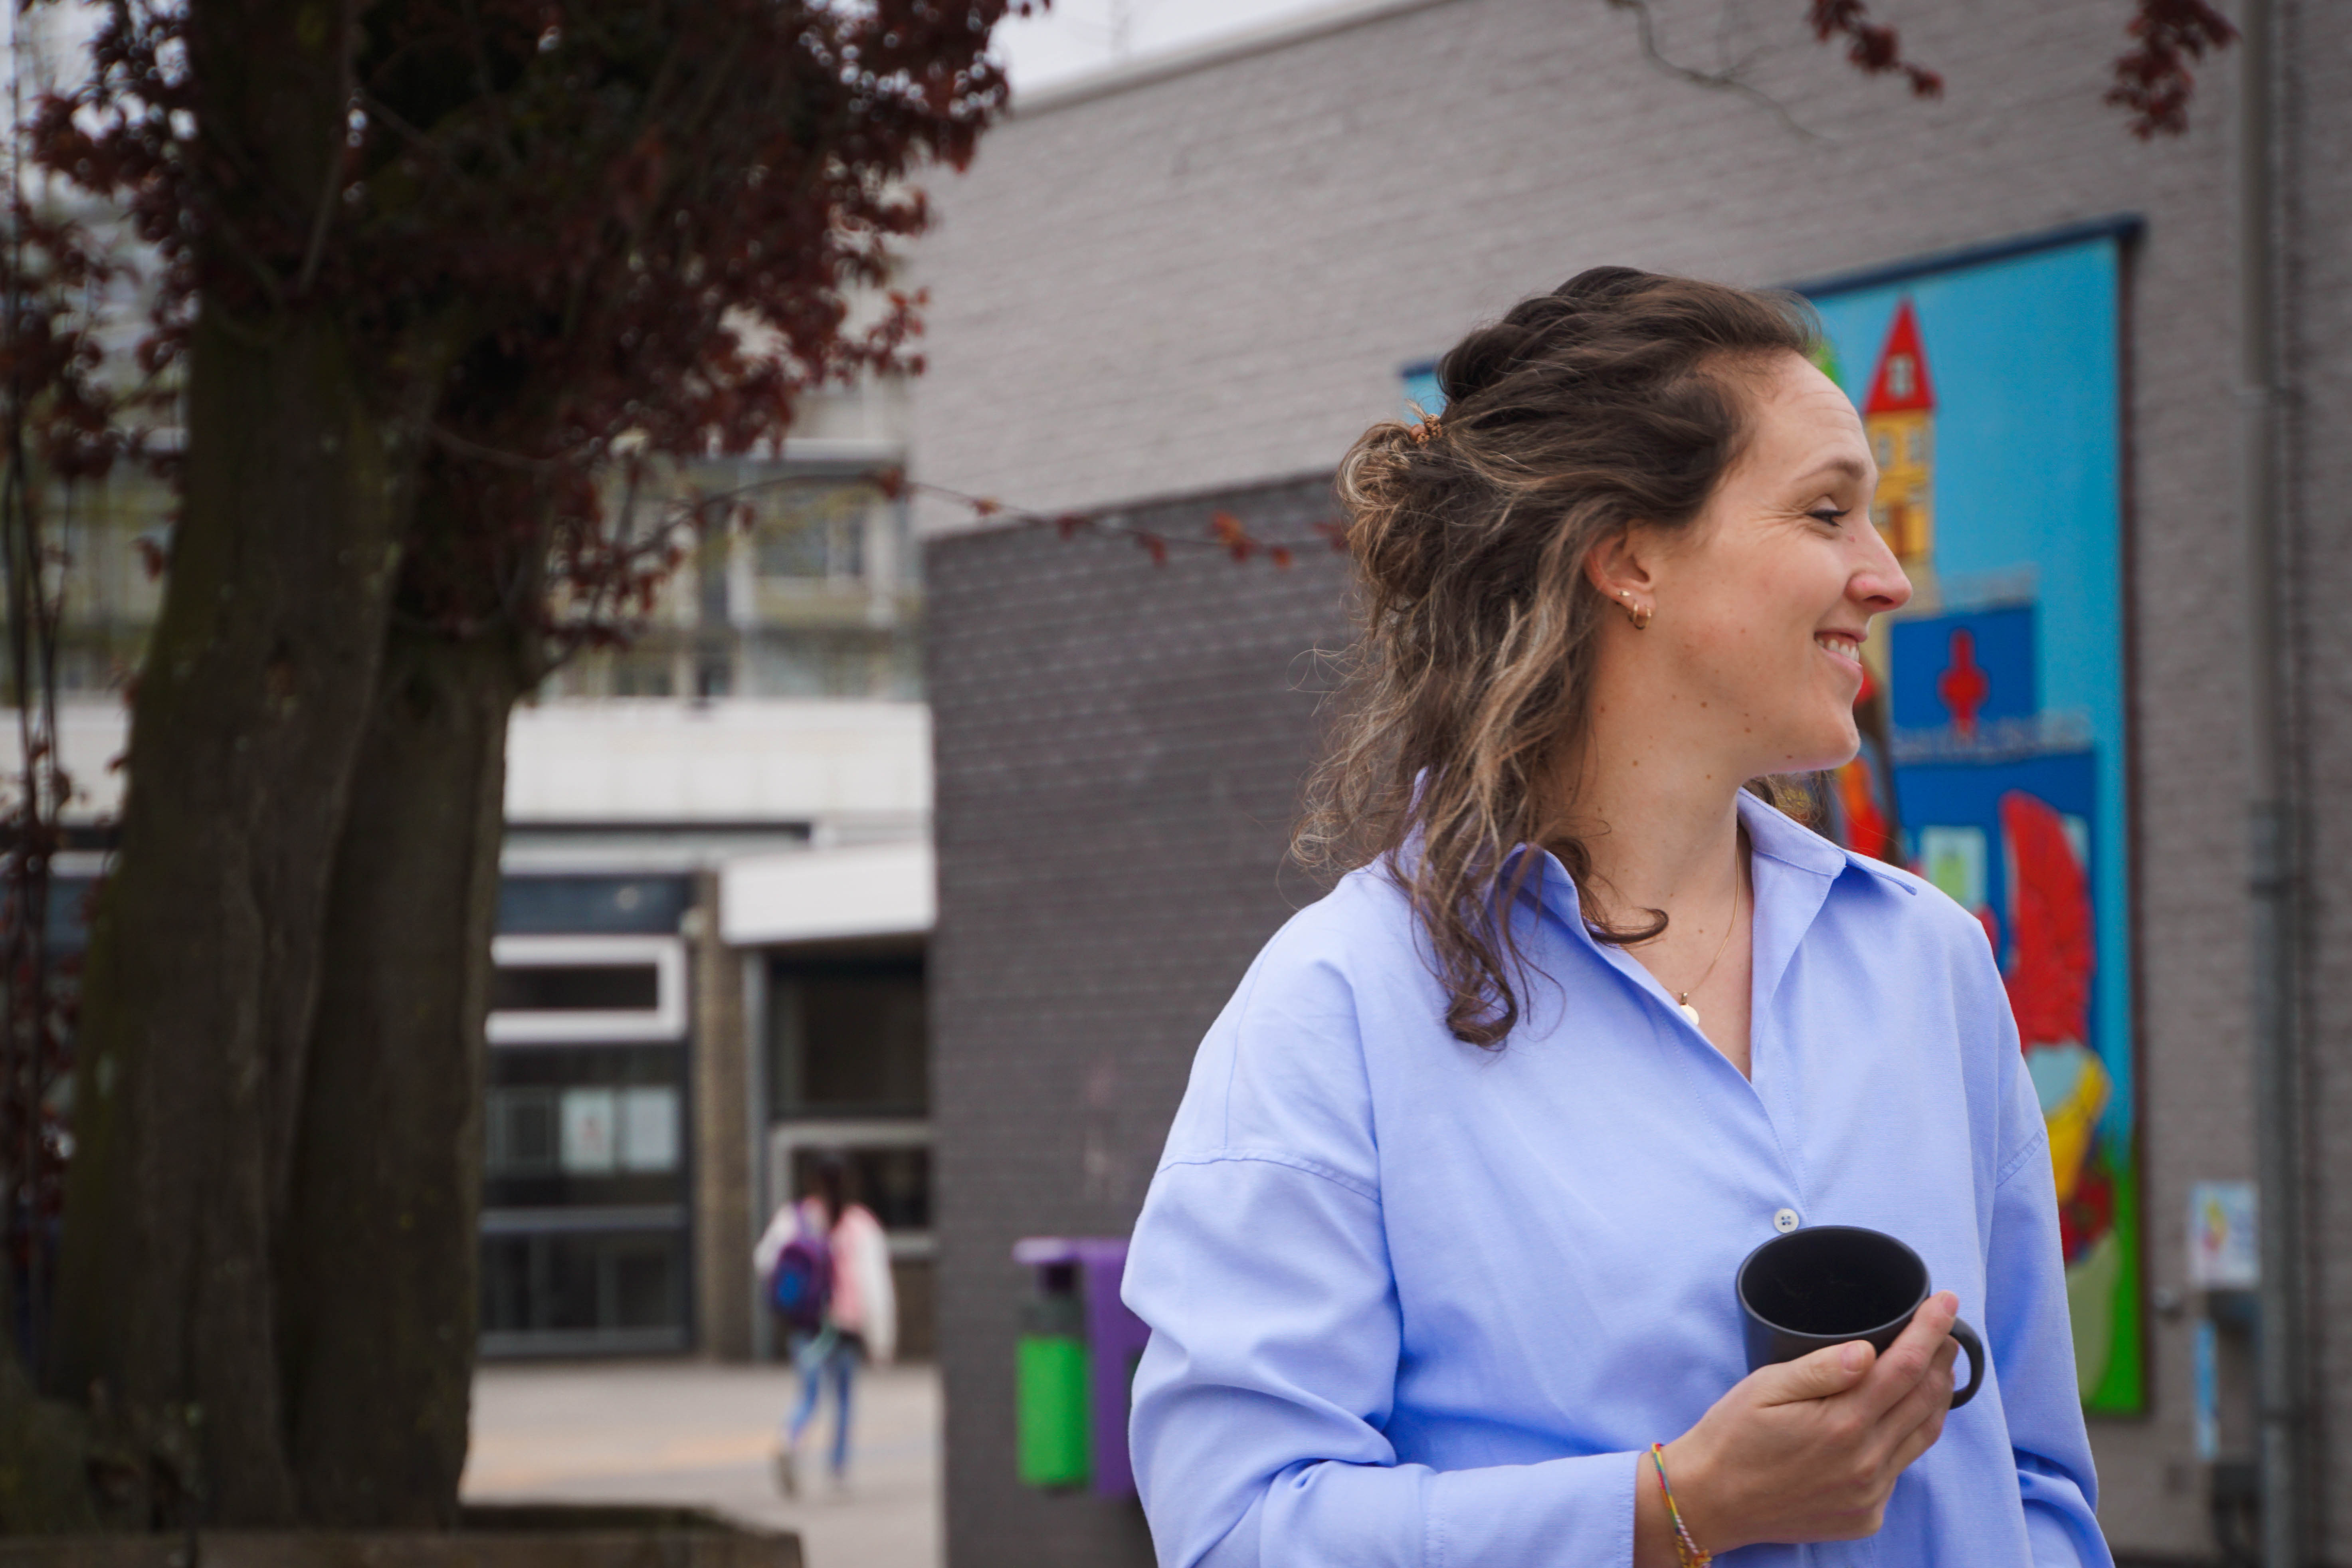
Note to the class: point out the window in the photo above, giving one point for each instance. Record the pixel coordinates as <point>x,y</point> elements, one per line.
<point>619,1289</point>
<point>522,1132</point>
<point>848,1038</point>
<point>608,1130</point>
<point>886,1166</point>
<point>583,1130</point>
<point>815,534</point>
<point>564,990</point>
<point>894,1180</point>
<point>575,987</point>
<point>569,1127</point>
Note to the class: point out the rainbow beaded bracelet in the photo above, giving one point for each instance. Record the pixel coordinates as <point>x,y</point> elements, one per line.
<point>1684,1547</point>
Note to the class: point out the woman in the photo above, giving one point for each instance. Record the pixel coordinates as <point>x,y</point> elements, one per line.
<point>857,1314</point>
<point>1444,1235</point>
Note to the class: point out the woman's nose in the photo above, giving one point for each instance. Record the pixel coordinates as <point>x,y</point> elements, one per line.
<point>1881,584</point>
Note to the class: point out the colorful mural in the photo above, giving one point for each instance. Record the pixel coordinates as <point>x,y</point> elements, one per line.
<point>1993,758</point>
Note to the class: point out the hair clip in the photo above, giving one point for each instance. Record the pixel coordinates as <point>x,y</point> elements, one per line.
<point>1424,432</point>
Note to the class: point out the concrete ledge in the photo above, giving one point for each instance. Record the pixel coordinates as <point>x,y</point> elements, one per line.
<point>525,1536</point>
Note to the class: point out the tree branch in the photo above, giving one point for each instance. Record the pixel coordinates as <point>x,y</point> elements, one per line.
<point>1727,80</point>
<point>322,217</point>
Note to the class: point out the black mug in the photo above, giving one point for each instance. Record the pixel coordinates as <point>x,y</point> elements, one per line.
<point>1831,1283</point>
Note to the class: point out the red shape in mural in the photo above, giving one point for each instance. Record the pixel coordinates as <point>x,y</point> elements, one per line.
<point>1899,384</point>
<point>2050,926</point>
<point>1867,831</point>
<point>1964,686</point>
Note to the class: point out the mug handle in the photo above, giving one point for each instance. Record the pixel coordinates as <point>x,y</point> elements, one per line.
<point>1975,1349</point>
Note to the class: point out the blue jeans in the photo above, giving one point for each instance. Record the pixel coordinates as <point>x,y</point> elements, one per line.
<point>830,1356</point>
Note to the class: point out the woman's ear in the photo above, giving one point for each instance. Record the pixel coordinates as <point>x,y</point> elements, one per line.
<point>1620,566</point>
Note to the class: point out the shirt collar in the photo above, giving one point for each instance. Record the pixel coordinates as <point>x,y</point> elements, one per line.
<point>1782,838</point>
<point>1773,834</point>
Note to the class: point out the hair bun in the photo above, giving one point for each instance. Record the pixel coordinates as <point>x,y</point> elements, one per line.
<point>1385,484</point>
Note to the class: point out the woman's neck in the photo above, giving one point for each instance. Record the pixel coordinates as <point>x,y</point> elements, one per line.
<point>1657,814</point>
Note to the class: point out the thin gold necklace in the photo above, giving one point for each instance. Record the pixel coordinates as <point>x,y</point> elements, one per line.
<point>1681,998</point>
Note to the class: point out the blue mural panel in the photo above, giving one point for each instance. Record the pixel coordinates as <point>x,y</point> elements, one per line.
<point>1995,713</point>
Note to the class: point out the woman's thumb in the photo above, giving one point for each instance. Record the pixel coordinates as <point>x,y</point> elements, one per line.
<point>1830,1370</point>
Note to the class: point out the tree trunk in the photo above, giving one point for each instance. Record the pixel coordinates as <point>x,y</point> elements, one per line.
<point>380,1257</point>
<point>202,966</point>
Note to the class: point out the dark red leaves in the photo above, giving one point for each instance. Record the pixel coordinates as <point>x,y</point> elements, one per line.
<point>1872,46</point>
<point>1227,529</point>
<point>2152,77</point>
<point>608,225</point>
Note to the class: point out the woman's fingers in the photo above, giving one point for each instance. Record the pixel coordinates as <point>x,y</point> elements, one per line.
<point>1919,1440</point>
<point>1928,1399</point>
<point>1908,1359</point>
<point>1830,1371</point>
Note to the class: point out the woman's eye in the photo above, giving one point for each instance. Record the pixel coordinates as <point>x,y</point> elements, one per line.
<point>1831,515</point>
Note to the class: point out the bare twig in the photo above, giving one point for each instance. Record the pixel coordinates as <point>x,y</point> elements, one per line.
<point>1726,78</point>
<point>323,216</point>
<point>458,446</point>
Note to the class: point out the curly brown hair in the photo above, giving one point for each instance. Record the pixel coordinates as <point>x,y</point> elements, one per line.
<point>1620,397</point>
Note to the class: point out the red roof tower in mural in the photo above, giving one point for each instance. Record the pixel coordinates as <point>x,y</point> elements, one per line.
<point>1899,417</point>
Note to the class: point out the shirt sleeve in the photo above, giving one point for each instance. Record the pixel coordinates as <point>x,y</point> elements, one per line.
<point>1272,1366</point>
<point>2030,1335</point>
<point>1261,1264</point>
<point>771,1244</point>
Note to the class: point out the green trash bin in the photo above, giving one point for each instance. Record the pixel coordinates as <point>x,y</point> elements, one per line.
<point>1051,1393</point>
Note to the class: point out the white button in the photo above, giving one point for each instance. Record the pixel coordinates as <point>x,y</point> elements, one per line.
<point>1785,1221</point>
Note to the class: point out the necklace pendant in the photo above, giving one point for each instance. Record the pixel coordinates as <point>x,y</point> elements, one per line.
<point>1687,1011</point>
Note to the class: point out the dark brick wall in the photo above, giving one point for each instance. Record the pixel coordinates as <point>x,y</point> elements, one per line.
<point>1118,752</point>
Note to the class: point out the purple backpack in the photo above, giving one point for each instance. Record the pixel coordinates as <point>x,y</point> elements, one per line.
<point>800,1288</point>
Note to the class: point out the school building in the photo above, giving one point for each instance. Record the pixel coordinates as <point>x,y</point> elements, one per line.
<point>715,910</point>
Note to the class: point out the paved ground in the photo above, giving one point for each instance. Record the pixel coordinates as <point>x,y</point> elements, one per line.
<point>692,1432</point>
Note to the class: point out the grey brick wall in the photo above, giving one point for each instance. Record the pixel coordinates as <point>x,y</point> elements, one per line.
<point>1212,279</point>
<point>1118,746</point>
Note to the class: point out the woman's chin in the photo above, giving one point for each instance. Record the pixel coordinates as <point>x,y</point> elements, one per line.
<point>1819,748</point>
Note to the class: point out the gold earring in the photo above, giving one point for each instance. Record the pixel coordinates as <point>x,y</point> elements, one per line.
<point>1642,618</point>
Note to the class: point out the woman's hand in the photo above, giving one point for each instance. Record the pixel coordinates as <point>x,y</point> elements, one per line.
<point>1807,1450</point>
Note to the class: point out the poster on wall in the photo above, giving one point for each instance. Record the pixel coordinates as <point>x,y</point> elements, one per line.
<point>1995,758</point>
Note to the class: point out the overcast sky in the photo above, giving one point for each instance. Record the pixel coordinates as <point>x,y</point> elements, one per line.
<point>1080,35</point>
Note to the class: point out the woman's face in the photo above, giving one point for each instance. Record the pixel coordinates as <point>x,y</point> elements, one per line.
<point>1762,603</point>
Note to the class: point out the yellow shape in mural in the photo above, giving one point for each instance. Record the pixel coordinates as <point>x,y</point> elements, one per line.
<point>2073,1085</point>
<point>1899,417</point>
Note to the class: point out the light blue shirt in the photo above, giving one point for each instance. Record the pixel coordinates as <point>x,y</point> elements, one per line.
<point>1413,1302</point>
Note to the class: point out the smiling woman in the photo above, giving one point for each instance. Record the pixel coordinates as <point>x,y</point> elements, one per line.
<point>1439,1261</point>
<point>1602,439</point>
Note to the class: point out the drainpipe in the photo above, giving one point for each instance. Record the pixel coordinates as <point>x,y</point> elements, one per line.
<point>2281,1381</point>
